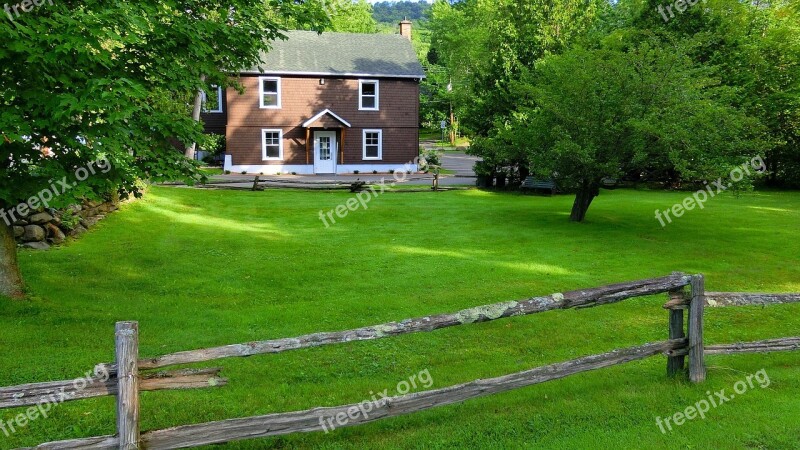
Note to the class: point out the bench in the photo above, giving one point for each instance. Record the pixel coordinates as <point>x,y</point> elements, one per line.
<point>610,183</point>
<point>534,184</point>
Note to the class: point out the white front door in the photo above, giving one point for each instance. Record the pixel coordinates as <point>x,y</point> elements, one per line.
<point>325,152</point>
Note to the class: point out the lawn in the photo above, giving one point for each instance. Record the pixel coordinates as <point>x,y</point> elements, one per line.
<point>200,268</point>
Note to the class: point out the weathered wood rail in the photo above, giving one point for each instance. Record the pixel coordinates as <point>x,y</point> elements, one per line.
<point>586,298</point>
<point>33,394</point>
<point>125,379</point>
<point>727,299</point>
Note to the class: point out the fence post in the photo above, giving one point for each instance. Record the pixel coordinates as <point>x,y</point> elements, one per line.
<point>697,364</point>
<point>676,364</point>
<point>127,358</point>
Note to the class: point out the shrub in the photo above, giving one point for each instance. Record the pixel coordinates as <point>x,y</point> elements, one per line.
<point>214,145</point>
<point>356,172</point>
<point>429,159</point>
<point>69,220</point>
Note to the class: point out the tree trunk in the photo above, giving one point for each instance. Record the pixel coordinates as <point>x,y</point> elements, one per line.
<point>586,194</point>
<point>198,107</point>
<point>10,277</point>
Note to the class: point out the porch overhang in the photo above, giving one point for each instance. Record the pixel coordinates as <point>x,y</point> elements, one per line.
<point>309,124</point>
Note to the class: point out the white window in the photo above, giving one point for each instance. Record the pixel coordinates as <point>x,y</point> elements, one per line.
<point>272,145</point>
<point>270,92</point>
<point>213,103</point>
<point>369,95</point>
<point>373,144</point>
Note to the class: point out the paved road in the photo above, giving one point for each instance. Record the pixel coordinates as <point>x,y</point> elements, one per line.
<point>461,163</point>
<point>334,181</point>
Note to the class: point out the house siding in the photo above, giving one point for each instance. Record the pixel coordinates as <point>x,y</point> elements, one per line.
<point>302,98</point>
<point>216,123</point>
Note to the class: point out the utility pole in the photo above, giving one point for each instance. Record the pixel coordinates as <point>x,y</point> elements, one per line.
<point>452,116</point>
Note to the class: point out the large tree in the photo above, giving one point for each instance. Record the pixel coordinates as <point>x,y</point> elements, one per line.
<point>754,47</point>
<point>587,115</point>
<point>82,81</point>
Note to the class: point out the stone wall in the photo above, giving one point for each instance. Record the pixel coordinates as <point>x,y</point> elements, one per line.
<point>41,229</point>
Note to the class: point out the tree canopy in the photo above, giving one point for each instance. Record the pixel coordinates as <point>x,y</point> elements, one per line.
<point>83,80</point>
<point>579,91</point>
<point>394,12</point>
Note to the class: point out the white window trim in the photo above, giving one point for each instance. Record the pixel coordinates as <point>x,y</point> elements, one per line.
<point>264,132</point>
<point>219,101</point>
<point>261,81</point>
<point>361,95</point>
<point>364,145</point>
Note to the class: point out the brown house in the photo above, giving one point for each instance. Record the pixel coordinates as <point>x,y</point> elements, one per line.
<point>323,104</point>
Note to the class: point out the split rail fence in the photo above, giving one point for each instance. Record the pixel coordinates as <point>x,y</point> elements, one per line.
<point>130,374</point>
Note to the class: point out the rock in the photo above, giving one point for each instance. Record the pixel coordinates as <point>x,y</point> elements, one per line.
<point>56,220</point>
<point>75,209</point>
<point>33,233</point>
<point>36,245</point>
<point>79,230</point>
<point>21,223</point>
<point>54,234</point>
<point>89,222</point>
<point>40,218</point>
<point>90,212</point>
<point>18,232</point>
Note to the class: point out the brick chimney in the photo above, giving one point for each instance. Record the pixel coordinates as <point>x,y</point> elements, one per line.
<point>405,29</point>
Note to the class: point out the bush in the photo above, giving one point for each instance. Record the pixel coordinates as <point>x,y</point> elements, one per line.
<point>69,220</point>
<point>429,159</point>
<point>214,144</point>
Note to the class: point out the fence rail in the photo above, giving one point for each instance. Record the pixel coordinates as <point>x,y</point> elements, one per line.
<point>126,382</point>
<point>35,393</point>
<point>586,298</point>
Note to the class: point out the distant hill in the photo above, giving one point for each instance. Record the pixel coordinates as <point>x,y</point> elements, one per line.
<point>394,12</point>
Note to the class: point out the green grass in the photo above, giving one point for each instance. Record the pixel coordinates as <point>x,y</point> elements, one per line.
<point>201,268</point>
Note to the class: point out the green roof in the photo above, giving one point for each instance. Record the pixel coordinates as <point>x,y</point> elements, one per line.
<point>343,54</point>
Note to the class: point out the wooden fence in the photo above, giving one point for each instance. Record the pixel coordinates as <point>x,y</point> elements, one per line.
<point>126,377</point>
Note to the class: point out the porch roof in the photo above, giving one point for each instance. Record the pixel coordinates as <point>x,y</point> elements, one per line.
<point>322,114</point>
